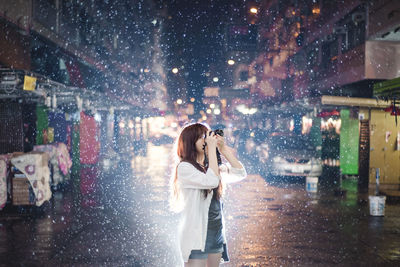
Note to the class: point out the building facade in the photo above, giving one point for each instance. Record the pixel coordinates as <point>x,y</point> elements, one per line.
<point>308,49</point>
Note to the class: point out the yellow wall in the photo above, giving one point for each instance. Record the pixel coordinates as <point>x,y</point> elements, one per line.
<point>364,112</point>
<point>383,153</point>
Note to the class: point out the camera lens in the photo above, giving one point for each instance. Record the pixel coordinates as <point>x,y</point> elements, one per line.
<point>219,132</point>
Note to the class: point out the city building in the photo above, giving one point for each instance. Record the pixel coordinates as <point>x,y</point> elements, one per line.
<point>308,49</point>
<point>89,74</point>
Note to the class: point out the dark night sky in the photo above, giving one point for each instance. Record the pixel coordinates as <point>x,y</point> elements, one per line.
<point>195,36</point>
<point>198,26</point>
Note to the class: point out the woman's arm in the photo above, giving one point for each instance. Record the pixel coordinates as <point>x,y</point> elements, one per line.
<point>211,141</point>
<point>236,171</point>
<point>229,154</point>
<point>190,177</point>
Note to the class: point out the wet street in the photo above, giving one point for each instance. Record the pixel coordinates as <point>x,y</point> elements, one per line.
<point>120,217</point>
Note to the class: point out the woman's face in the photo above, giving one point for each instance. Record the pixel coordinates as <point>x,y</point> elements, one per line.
<point>200,144</point>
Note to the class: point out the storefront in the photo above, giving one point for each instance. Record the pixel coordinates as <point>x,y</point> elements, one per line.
<point>47,118</point>
<point>385,136</point>
<point>368,140</point>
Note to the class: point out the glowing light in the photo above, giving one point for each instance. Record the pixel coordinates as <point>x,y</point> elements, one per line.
<point>146,70</point>
<point>245,110</point>
<point>306,125</point>
<point>97,117</point>
<point>130,124</point>
<point>204,118</point>
<point>223,102</point>
<point>316,10</point>
<point>231,62</point>
<point>217,111</point>
<point>175,70</point>
<point>212,105</point>
<point>192,99</point>
<point>174,125</point>
<point>253,10</point>
<point>215,79</point>
<point>121,124</point>
<point>179,101</point>
<point>208,111</point>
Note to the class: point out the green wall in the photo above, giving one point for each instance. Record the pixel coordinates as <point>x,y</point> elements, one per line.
<point>349,143</point>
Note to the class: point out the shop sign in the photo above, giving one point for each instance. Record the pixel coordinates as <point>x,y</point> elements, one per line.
<point>29,83</point>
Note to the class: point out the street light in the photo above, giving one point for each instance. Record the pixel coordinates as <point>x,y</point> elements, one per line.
<point>175,70</point>
<point>231,62</point>
<point>192,99</point>
<point>179,101</point>
<point>316,10</point>
<point>215,79</point>
<point>253,10</point>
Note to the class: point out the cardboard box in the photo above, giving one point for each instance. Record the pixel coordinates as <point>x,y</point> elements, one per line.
<point>21,192</point>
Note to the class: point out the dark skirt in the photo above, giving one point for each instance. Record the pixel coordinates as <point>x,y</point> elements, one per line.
<point>214,244</point>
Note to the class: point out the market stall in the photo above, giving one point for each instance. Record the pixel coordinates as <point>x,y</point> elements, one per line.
<point>60,161</point>
<point>31,179</point>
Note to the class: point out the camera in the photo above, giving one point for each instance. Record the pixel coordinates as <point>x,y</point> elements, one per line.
<point>218,131</point>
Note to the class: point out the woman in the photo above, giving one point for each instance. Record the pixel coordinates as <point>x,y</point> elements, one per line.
<point>197,192</point>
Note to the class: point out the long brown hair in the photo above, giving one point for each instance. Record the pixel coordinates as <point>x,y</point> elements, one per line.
<point>186,151</point>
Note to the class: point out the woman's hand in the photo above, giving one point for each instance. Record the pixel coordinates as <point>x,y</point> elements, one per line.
<point>211,140</point>
<point>228,153</point>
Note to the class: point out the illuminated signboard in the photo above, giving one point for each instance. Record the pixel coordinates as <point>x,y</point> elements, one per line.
<point>211,91</point>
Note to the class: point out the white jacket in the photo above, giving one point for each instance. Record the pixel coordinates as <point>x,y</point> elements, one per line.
<point>194,216</point>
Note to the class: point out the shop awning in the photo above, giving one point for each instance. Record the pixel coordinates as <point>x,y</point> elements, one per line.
<point>389,88</point>
<point>38,88</point>
<point>354,101</point>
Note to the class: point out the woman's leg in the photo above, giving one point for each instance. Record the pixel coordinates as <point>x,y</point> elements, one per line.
<point>196,263</point>
<point>214,259</point>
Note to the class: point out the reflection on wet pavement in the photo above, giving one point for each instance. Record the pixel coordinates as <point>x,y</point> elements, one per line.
<point>121,218</point>
<point>286,226</point>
